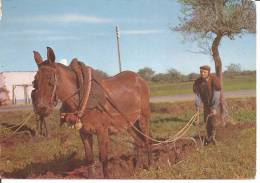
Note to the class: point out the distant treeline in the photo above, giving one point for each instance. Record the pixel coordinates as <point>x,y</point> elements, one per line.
<point>173,75</point>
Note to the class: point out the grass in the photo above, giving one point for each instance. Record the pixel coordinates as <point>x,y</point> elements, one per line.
<point>229,84</point>
<point>233,158</point>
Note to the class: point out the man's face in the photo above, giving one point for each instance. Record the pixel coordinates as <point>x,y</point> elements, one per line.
<point>204,73</point>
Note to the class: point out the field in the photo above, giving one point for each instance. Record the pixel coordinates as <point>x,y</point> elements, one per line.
<point>61,155</point>
<point>246,82</point>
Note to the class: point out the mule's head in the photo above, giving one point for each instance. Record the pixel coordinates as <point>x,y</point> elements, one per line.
<point>45,84</point>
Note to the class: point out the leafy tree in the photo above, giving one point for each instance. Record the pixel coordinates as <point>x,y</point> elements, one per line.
<point>146,73</point>
<point>209,21</point>
<point>174,75</point>
<point>193,76</point>
<point>101,73</point>
<point>160,78</point>
<point>234,68</point>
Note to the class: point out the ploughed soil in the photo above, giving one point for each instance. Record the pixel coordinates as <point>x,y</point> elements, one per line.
<point>124,165</point>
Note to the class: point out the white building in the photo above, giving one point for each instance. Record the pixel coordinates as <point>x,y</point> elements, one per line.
<point>19,85</point>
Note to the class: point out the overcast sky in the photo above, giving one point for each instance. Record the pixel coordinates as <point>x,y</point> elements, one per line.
<point>86,29</point>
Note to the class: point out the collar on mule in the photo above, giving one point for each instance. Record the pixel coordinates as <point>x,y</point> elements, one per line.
<point>86,88</point>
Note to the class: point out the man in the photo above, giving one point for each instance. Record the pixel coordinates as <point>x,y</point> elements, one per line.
<point>207,91</point>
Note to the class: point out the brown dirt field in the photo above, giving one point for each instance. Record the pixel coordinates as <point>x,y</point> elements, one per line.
<point>124,165</point>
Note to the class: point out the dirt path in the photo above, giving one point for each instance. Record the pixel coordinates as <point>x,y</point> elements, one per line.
<point>189,97</point>
<point>175,98</point>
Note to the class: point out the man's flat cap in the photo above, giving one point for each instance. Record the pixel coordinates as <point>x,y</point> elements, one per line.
<point>205,67</point>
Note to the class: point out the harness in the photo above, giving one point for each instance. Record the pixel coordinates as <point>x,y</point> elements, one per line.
<point>54,99</point>
<point>84,78</point>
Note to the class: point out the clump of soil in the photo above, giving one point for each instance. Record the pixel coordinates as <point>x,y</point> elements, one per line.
<point>125,165</point>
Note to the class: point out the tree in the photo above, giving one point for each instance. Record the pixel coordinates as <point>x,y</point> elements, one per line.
<point>101,73</point>
<point>160,78</point>
<point>233,68</point>
<point>146,73</point>
<point>174,75</point>
<point>193,76</point>
<point>208,21</point>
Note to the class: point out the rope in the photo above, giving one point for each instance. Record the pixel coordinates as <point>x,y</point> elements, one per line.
<point>21,125</point>
<point>181,132</point>
<point>158,142</point>
<point>176,137</point>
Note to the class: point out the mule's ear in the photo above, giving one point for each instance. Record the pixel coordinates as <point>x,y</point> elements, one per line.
<point>37,58</point>
<point>50,55</point>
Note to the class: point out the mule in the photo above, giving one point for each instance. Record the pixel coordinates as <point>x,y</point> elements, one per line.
<point>128,91</point>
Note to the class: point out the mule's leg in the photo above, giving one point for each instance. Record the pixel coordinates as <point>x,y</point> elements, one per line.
<point>87,140</point>
<point>145,117</point>
<point>103,141</point>
<point>38,127</point>
<point>45,128</point>
<point>144,126</point>
<point>41,122</point>
<point>138,144</point>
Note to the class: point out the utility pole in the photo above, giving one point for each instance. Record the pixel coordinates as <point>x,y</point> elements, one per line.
<point>118,48</point>
<point>1,10</point>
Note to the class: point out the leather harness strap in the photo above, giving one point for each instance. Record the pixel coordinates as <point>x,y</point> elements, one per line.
<point>86,92</point>
<point>84,78</point>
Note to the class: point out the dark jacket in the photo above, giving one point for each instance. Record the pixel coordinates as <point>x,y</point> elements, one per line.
<point>205,89</point>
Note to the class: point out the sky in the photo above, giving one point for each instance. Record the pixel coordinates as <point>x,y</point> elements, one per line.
<point>86,29</point>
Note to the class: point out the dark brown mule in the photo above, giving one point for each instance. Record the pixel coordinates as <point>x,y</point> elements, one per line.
<point>128,91</point>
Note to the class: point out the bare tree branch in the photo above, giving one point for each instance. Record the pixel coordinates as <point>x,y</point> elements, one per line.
<point>208,21</point>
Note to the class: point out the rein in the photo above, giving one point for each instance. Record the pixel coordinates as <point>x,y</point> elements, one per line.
<point>67,98</point>
<point>54,97</point>
<point>179,135</point>
<point>54,100</point>
<point>83,104</point>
